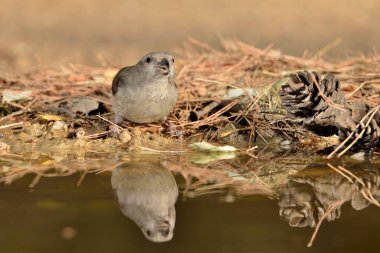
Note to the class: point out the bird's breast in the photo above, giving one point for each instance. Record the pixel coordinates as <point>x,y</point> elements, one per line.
<point>146,102</point>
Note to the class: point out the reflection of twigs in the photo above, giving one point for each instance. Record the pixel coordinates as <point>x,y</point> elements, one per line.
<point>42,171</point>
<point>35,180</point>
<point>364,191</point>
<point>337,170</point>
<point>350,176</point>
<point>328,211</point>
<point>200,189</point>
<point>160,151</point>
<point>110,168</point>
<point>81,178</point>
<point>368,196</point>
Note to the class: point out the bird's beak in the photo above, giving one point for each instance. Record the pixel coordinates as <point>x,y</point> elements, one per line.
<point>164,228</point>
<point>164,66</point>
<point>163,224</point>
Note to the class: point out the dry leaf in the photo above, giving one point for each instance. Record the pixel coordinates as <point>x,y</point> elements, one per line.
<point>50,117</point>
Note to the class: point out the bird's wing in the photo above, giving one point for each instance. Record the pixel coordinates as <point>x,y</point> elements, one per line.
<point>120,79</point>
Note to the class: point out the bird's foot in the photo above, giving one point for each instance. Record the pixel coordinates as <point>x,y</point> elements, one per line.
<point>172,129</point>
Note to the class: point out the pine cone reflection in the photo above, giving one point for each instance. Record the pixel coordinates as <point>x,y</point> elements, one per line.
<point>311,191</point>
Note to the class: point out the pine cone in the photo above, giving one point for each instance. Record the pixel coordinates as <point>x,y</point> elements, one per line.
<point>318,104</point>
<point>371,135</point>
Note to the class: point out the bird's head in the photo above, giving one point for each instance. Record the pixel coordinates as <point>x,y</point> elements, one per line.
<point>158,65</point>
<point>159,228</point>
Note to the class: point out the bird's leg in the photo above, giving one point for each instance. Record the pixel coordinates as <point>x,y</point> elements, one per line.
<point>171,128</point>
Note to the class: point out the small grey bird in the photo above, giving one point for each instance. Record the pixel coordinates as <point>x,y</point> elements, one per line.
<point>146,193</point>
<point>145,92</point>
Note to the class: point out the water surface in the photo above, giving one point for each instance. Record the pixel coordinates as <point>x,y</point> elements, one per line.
<point>59,215</point>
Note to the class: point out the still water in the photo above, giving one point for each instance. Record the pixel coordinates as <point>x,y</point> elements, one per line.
<point>140,202</point>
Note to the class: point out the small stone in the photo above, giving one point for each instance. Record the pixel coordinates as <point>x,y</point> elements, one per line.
<point>80,133</point>
<point>58,130</point>
<point>229,199</point>
<point>125,136</point>
<point>136,131</point>
<point>359,156</point>
<point>285,143</point>
<point>59,125</point>
<point>85,105</point>
<point>68,233</point>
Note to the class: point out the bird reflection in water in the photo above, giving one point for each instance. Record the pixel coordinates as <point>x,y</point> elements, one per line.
<point>146,193</point>
<point>309,193</point>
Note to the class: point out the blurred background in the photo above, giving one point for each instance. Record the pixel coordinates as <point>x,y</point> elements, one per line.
<point>45,33</point>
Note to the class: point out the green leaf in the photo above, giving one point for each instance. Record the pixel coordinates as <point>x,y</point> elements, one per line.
<point>207,147</point>
<point>12,95</point>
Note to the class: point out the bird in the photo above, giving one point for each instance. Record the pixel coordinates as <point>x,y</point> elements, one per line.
<point>146,193</point>
<point>145,92</point>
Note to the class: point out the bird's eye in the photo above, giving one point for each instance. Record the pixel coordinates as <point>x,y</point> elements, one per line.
<point>148,60</point>
<point>173,60</point>
<point>148,232</point>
